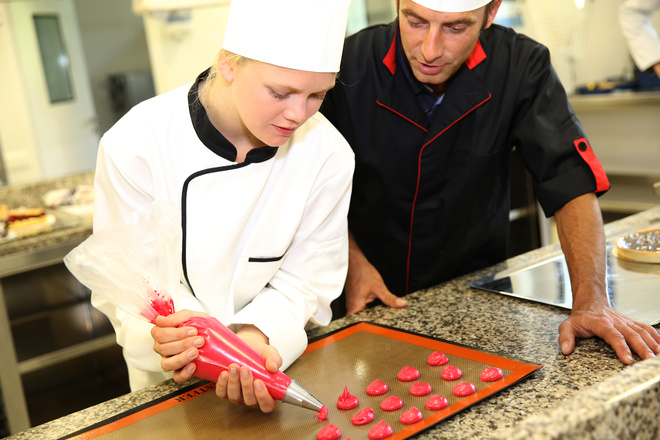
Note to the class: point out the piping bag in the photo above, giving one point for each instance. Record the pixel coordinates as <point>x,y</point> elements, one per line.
<point>222,347</point>
<point>134,266</point>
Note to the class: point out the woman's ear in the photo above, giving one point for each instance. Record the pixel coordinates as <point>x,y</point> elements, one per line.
<point>226,70</point>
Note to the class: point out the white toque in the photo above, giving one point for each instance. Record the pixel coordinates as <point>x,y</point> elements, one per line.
<point>298,34</point>
<point>452,5</point>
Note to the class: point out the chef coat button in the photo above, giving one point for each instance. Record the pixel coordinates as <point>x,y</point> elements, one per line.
<point>582,146</point>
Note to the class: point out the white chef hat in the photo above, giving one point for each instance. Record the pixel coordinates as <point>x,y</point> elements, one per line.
<point>298,34</point>
<point>452,5</point>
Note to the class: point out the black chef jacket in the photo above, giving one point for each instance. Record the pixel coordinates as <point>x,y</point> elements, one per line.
<point>431,198</point>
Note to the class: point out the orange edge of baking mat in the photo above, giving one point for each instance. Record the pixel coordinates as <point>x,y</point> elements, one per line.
<point>519,369</point>
<point>141,412</point>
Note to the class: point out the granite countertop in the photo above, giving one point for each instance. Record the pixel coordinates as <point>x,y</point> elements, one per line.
<point>74,234</point>
<point>589,394</point>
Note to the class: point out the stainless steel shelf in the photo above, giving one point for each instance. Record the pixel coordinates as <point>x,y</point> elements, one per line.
<point>65,354</point>
<point>11,370</point>
<point>21,262</point>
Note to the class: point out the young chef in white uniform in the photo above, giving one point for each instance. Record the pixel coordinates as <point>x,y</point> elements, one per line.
<point>262,182</point>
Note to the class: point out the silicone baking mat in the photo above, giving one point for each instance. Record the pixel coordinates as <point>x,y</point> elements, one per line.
<point>351,357</point>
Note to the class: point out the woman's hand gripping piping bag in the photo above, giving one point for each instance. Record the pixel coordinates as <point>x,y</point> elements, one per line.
<point>136,266</point>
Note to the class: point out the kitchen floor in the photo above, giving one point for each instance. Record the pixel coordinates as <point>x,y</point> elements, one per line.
<point>50,310</point>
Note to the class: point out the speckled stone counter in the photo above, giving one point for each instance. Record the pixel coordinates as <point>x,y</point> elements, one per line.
<point>589,394</point>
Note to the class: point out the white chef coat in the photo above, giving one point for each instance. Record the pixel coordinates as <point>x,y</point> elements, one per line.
<point>265,242</point>
<point>641,36</point>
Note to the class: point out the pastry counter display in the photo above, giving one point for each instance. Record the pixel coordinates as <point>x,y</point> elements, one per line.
<point>589,394</point>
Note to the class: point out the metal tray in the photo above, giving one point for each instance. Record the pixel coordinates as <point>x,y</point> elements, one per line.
<point>633,288</point>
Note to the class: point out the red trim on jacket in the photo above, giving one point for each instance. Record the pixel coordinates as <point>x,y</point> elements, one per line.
<point>390,57</point>
<point>476,57</point>
<point>399,114</point>
<point>584,150</point>
<point>419,172</point>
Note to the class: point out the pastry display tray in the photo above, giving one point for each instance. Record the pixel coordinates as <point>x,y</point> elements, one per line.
<point>351,357</point>
<point>633,288</point>
<point>55,220</point>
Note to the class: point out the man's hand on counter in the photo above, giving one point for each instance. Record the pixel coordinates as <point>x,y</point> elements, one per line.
<point>364,284</point>
<point>580,230</point>
<point>617,330</point>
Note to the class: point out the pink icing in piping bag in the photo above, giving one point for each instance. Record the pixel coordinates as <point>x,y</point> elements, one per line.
<point>222,347</point>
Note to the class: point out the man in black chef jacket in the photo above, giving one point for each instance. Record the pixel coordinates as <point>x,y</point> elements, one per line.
<point>432,105</point>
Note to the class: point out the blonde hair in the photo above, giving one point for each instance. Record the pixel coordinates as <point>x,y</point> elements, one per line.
<point>223,56</point>
<point>230,59</point>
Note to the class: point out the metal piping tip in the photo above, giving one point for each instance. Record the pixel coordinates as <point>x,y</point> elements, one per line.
<point>297,395</point>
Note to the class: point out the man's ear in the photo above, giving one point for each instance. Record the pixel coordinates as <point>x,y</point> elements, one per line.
<point>493,13</point>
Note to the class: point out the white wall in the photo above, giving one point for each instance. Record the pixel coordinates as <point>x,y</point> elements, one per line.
<point>17,133</point>
<point>605,54</point>
<point>103,37</point>
<point>114,42</point>
<point>184,43</point>
<point>585,46</point>
<point>43,139</point>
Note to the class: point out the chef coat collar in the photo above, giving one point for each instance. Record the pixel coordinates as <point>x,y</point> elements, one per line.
<point>426,97</point>
<point>211,137</point>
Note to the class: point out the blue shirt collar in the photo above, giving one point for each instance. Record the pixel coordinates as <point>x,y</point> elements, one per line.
<point>426,97</point>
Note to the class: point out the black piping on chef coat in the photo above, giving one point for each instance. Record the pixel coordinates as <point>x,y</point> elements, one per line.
<point>431,199</point>
<point>216,142</point>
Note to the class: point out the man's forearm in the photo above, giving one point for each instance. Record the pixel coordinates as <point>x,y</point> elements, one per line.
<point>582,238</point>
